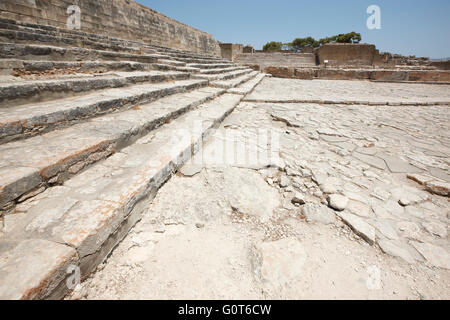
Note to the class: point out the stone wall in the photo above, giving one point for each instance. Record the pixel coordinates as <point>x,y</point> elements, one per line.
<point>277,59</point>
<point>230,51</point>
<point>431,76</point>
<point>343,54</point>
<point>442,65</point>
<point>117,18</point>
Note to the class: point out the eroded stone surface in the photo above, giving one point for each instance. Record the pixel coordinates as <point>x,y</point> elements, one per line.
<point>280,262</point>
<point>384,207</point>
<point>42,266</point>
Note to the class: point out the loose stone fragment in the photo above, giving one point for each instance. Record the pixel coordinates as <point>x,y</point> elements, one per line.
<point>421,179</point>
<point>298,199</point>
<point>285,182</point>
<point>338,202</point>
<point>318,213</point>
<point>190,170</point>
<point>438,187</point>
<point>435,255</point>
<point>360,227</point>
<point>395,249</point>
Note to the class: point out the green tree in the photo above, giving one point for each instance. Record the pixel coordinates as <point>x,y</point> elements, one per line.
<point>273,46</point>
<point>301,43</point>
<point>351,37</point>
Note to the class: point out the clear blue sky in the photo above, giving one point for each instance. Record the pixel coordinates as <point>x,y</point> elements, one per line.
<point>408,26</point>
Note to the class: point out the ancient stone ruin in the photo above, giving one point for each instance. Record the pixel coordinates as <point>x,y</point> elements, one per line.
<point>343,62</point>
<point>137,153</point>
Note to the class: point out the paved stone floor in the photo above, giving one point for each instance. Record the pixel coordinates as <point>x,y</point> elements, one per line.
<point>286,89</point>
<point>355,206</point>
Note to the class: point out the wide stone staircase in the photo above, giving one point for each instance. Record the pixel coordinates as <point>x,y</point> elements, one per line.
<point>90,128</point>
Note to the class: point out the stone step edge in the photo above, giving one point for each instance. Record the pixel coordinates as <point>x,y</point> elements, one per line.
<point>58,32</point>
<point>124,215</point>
<point>169,67</point>
<point>352,102</point>
<point>200,61</point>
<point>412,82</point>
<point>206,66</point>
<point>103,102</point>
<point>223,76</point>
<point>63,51</point>
<point>42,66</point>
<point>221,70</point>
<point>99,36</point>
<point>253,82</point>
<point>232,83</point>
<point>37,180</point>
<point>30,90</point>
<point>21,36</point>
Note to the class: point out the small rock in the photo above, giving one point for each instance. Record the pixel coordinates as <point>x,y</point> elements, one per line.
<point>318,213</point>
<point>328,188</point>
<point>338,202</point>
<point>199,225</point>
<point>359,226</point>
<point>292,173</point>
<point>301,163</point>
<point>306,173</point>
<point>435,255</point>
<point>438,187</point>
<point>409,196</point>
<point>395,249</point>
<point>285,182</point>
<point>190,170</point>
<point>298,199</point>
<point>420,179</point>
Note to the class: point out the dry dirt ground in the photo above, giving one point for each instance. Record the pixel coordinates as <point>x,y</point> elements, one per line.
<point>325,210</point>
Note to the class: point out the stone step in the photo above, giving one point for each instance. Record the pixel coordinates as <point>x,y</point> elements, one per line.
<point>29,166</point>
<point>62,37</point>
<point>201,61</point>
<point>81,222</point>
<point>32,119</point>
<point>248,86</point>
<point>209,66</point>
<point>231,83</point>
<point>74,37</point>
<point>222,70</point>
<point>103,39</point>
<point>29,91</point>
<point>167,67</point>
<point>168,51</point>
<point>53,53</point>
<point>223,76</point>
<point>45,38</point>
<point>172,62</point>
<point>47,28</point>
<point>28,68</point>
<point>193,56</point>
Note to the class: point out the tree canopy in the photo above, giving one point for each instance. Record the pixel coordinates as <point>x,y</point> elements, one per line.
<point>300,43</point>
<point>273,46</point>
